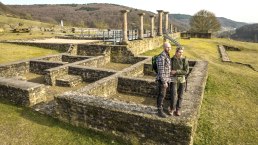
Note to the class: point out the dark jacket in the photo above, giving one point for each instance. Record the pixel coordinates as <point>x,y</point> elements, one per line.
<point>181,66</point>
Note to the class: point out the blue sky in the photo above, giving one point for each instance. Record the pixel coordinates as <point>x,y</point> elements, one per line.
<point>244,11</point>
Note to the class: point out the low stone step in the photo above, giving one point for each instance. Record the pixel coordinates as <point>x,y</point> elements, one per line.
<point>68,80</point>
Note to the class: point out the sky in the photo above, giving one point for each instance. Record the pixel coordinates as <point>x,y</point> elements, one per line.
<point>242,11</point>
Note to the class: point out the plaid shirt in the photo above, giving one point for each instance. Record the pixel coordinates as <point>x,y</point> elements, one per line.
<point>164,67</point>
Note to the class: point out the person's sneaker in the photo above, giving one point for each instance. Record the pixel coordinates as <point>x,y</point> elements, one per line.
<point>177,113</point>
<point>170,111</point>
<point>161,114</point>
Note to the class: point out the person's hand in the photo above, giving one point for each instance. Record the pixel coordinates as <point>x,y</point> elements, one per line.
<point>165,85</point>
<point>173,72</point>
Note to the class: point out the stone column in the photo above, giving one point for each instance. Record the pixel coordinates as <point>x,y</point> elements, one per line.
<point>171,28</point>
<point>152,25</point>
<point>125,37</point>
<point>175,29</point>
<point>166,21</point>
<point>160,32</point>
<point>141,25</point>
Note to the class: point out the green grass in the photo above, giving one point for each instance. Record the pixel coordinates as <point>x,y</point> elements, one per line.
<point>12,52</point>
<point>20,125</point>
<point>229,111</point>
<point>228,114</point>
<point>23,36</point>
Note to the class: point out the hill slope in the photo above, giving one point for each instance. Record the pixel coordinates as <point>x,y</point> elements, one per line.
<point>91,15</point>
<point>102,15</point>
<point>226,24</point>
<point>247,33</point>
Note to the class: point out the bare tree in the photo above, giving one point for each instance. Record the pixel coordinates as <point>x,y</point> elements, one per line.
<point>204,21</point>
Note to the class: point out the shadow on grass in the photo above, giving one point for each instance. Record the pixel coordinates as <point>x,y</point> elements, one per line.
<point>29,114</point>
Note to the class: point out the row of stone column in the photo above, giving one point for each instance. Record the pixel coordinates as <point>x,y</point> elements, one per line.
<point>160,28</point>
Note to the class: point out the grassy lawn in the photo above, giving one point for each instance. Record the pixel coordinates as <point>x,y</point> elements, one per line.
<point>12,52</point>
<point>22,36</point>
<point>20,125</point>
<point>228,114</point>
<point>229,111</point>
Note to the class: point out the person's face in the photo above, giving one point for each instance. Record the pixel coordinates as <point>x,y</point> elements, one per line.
<point>179,53</point>
<point>167,48</point>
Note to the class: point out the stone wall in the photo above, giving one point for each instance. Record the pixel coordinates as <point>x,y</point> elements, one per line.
<point>93,49</point>
<point>136,69</point>
<point>72,58</point>
<point>97,61</point>
<point>124,118</point>
<point>56,57</point>
<point>39,66</point>
<point>90,74</point>
<point>52,74</point>
<point>136,86</point>
<point>140,46</point>
<point>104,87</point>
<point>121,54</point>
<point>53,46</point>
<point>22,92</point>
<point>148,70</point>
<point>223,54</point>
<point>90,107</point>
<point>14,69</point>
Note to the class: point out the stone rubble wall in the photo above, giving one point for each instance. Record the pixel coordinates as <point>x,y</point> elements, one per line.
<point>148,70</point>
<point>97,61</point>
<point>39,66</point>
<point>141,46</point>
<point>104,87</point>
<point>93,49</point>
<point>14,69</point>
<point>52,74</point>
<point>81,107</point>
<point>89,74</point>
<point>72,58</point>
<point>22,92</point>
<point>56,57</point>
<point>136,86</point>
<point>223,54</point>
<point>124,118</point>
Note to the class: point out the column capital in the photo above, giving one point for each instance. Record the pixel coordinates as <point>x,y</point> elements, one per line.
<point>141,14</point>
<point>152,16</point>
<point>124,11</point>
<point>160,11</point>
<point>166,12</point>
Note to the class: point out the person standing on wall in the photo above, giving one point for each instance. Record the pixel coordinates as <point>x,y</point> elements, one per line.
<point>180,68</point>
<point>163,76</point>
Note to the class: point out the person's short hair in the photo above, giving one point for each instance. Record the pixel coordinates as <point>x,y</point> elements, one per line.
<point>179,48</point>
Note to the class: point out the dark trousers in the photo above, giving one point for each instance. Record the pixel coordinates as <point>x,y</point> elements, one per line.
<point>176,95</point>
<point>162,91</point>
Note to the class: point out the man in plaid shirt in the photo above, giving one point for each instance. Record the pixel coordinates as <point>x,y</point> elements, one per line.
<point>163,76</point>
